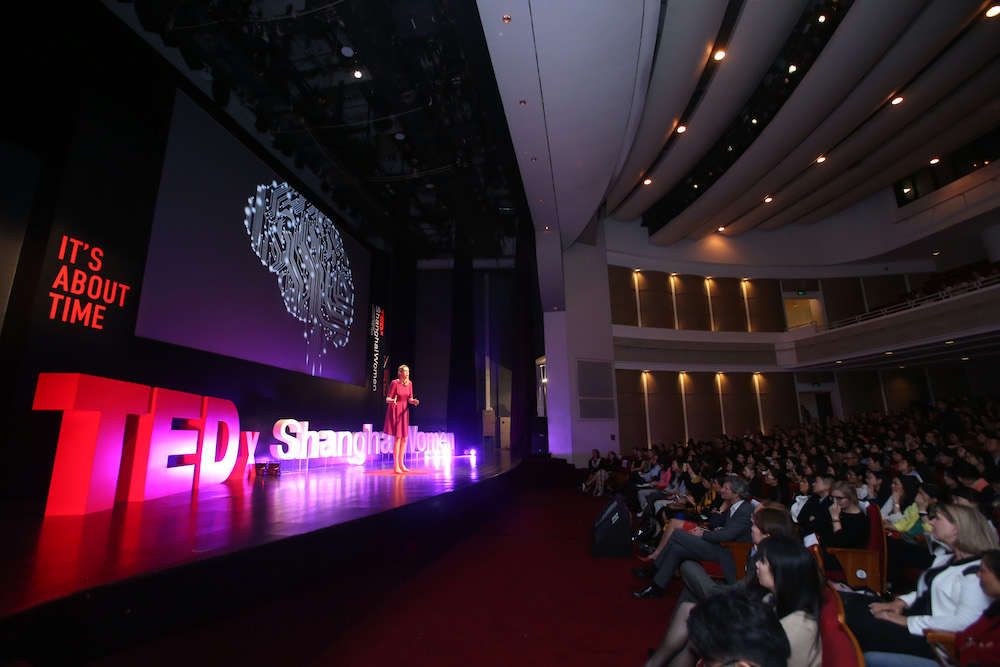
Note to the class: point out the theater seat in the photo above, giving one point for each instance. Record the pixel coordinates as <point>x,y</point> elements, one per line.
<point>740,551</point>
<point>871,562</point>
<point>840,647</point>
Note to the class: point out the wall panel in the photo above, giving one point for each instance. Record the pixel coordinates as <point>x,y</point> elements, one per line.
<point>729,311</point>
<point>882,291</point>
<point>778,399</point>
<point>860,391</point>
<point>631,410</point>
<point>739,403</point>
<point>622,291</point>
<point>702,398</point>
<point>904,386</point>
<point>692,303</point>
<point>949,382</point>
<point>842,298</point>
<point>656,303</point>
<point>767,311</point>
<point>666,407</point>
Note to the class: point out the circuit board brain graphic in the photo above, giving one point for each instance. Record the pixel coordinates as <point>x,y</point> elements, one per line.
<point>303,248</point>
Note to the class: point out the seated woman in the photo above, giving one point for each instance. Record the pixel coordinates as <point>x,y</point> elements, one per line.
<point>593,465</point>
<point>801,498</point>
<point>673,649</point>
<point>978,644</point>
<point>609,467</point>
<point>899,508</point>
<point>948,595</point>
<point>850,524</point>
<point>790,573</point>
<point>911,550</point>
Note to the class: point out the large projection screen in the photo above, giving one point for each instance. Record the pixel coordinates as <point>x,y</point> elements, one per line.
<point>241,264</point>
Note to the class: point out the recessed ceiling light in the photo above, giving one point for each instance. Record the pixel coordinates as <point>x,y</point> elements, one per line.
<point>506,18</point>
<point>399,136</point>
<point>719,55</point>
<point>821,159</point>
<point>647,181</point>
<point>935,253</point>
<point>347,51</point>
<point>534,159</point>
<point>839,361</point>
<point>906,191</point>
<point>357,74</point>
<point>949,342</point>
<point>888,352</point>
<point>753,121</point>
<point>792,69</point>
<point>681,129</point>
<point>902,367</point>
<point>896,100</point>
<point>722,229</point>
<point>993,11</point>
<point>523,102</point>
<point>965,358</point>
<point>636,271</point>
<point>768,199</point>
<point>695,186</point>
<point>935,160</point>
<point>822,18</point>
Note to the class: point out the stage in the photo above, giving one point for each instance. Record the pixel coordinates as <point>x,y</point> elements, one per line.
<point>271,530</point>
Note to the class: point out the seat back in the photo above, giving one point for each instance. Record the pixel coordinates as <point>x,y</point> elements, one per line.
<point>840,647</point>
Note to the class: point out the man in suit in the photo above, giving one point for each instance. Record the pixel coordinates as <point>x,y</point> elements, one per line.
<point>815,514</point>
<point>702,544</point>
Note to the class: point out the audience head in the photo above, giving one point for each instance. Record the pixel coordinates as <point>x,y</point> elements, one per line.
<point>736,630</point>
<point>989,573</point>
<point>738,487</point>
<point>844,490</point>
<point>907,484</point>
<point>965,495</point>
<point>963,530</point>
<point>787,569</point>
<point>930,493</point>
<point>771,522</point>
<point>821,485</point>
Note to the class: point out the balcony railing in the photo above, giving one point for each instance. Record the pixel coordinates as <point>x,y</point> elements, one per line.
<point>943,295</point>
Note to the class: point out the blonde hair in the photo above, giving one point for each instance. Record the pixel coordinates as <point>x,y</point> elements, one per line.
<point>401,367</point>
<point>975,533</point>
<point>849,491</point>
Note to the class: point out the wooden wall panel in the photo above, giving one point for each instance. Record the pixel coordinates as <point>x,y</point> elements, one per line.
<point>666,407</point>
<point>622,296</point>
<point>702,398</point>
<point>739,403</point>
<point>656,303</point>
<point>904,386</point>
<point>767,309</point>
<point>882,291</point>
<point>778,401</point>
<point>728,308</point>
<point>860,391</point>
<point>631,411</point>
<point>692,303</point>
<point>842,298</point>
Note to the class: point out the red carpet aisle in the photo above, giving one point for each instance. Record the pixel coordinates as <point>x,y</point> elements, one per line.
<point>523,589</point>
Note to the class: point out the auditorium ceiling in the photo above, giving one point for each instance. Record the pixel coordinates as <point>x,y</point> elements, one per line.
<point>436,123</point>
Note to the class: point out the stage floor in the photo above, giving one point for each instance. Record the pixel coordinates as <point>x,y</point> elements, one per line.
<point>50,558</point>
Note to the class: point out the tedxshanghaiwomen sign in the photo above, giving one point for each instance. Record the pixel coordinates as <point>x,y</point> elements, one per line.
<point>175,442</point>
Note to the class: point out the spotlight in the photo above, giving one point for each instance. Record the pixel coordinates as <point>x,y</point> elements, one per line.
<point>357,74</point>
<point>821,159</point>
<point>768,199</point>
<point>681,129</point>
<point>993,11</point>
<point>721,229</point>
<point>647,181</point>
<point>896,101</point>
<point>719,55</point>
<point>935,160</point>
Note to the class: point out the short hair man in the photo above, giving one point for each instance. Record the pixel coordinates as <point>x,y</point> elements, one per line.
<point>704,545</point>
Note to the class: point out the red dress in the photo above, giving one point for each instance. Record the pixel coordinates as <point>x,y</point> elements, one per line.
<point>397,417</point>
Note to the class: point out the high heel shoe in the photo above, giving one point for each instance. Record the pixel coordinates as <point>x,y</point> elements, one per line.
<point>646,559</point>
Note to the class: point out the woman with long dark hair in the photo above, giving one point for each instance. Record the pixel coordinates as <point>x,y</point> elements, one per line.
<point>791,574</point>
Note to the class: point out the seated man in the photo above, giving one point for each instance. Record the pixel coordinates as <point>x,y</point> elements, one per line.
<point>703,545</point>
<point>738,631</point>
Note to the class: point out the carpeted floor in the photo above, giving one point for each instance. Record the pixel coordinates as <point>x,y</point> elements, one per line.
<point>522,589</point>
<point>519,589</point>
